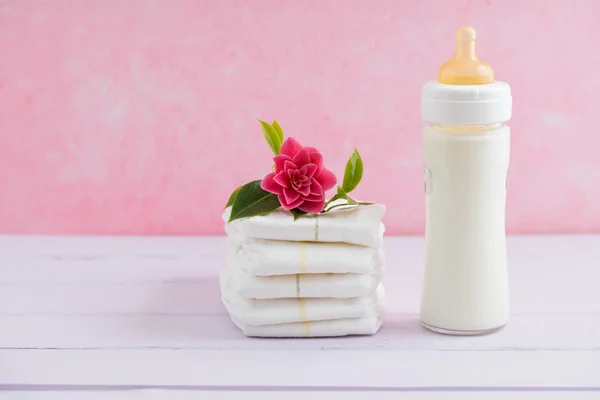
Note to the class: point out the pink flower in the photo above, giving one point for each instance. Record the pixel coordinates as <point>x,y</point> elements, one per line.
<point>299,180</point>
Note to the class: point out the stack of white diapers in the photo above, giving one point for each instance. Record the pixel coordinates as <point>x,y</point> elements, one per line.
<point>317,276</point>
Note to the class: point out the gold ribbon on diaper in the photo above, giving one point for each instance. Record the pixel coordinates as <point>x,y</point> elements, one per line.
<point>303,266</point>
<point>303,257</point>
<point>303,316</point>
<point>301,302</point>
<point>298,286</point>
<point>316,218</point>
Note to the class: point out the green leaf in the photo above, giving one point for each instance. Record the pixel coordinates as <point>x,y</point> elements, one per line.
<point>298,213</point>
<point>341,194</point>
<point>232,197</point>
<point>353,173</point>
<point>271,136</point>
<point>331,200</point>
<point>251,201</point>
<point>278,129</point>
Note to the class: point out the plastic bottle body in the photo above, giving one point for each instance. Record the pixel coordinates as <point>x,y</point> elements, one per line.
<point>465,283</point>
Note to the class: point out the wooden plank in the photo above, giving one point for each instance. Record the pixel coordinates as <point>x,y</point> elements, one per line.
<point>185,296</point>
<point>179,275</point>
<point>541,247</point>
<point>400,332</point>
<point>146,311</point>
<point>294,369</point>
<point>155,394</point>
<point>34,246</point>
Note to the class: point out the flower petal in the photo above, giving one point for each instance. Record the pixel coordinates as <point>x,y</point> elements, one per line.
<point>269,184</point>
<point>312,197</point>
<point>290,147</point>
<point>301,158</point>
<point>312,207</point>
<point>295,180</point>
<point>287,165</point>
<point>310,170</point>
<point>303,190</point>
<point>280,160</point>
<point>327,179</point>
<point>282,179</point>
<point>288,206</point>
<point>315,158</point>
<point>290,195</point>
<point>316,188</point>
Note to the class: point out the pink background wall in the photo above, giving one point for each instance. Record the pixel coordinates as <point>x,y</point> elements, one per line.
<point>139,117</point>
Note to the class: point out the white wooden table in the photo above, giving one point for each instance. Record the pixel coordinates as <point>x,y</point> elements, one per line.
<point>121,318</point>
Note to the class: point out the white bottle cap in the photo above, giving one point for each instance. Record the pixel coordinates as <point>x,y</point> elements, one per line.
<point>466,104</point>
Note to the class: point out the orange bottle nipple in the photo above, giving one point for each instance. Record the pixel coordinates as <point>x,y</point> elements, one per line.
<point>465,68</point>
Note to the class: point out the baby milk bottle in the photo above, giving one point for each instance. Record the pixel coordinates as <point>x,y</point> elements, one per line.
<point>466,149</point>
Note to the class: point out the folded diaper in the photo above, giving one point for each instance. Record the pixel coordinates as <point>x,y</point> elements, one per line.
<point>272,257</point>
<point>355,225</point>
<point>258,312</point>
<point>306,286</point>
<point>318,276</point>
<point>327,328</point>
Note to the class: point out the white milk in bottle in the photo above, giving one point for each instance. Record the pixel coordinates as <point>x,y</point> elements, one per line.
<point>466,150</point>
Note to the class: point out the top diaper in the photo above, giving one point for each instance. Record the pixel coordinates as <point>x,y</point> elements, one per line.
<point>353,225</point>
